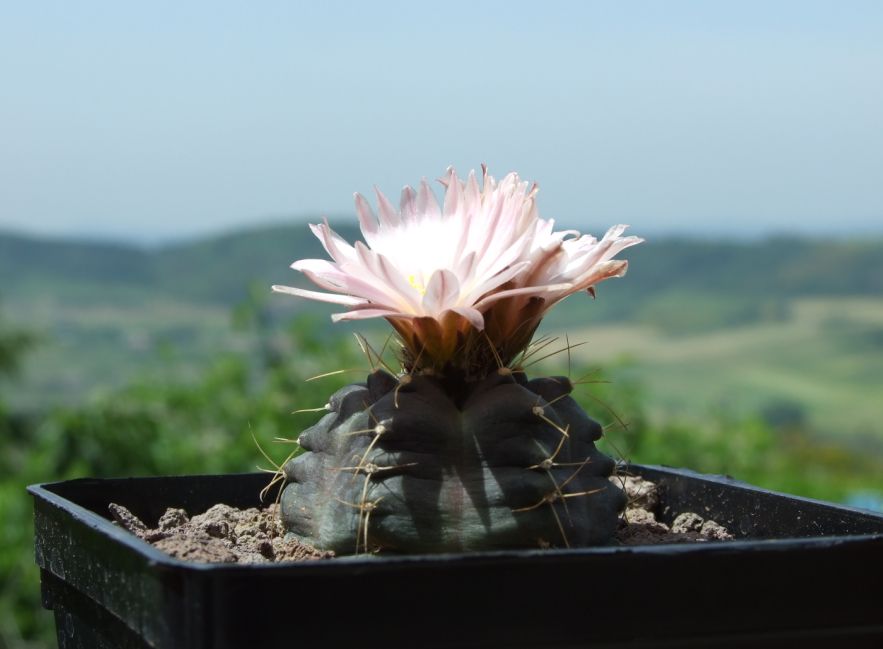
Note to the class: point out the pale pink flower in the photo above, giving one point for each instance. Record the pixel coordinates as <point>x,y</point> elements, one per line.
<point>484,262</point>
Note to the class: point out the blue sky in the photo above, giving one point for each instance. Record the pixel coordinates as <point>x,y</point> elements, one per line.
<point>162,120</point>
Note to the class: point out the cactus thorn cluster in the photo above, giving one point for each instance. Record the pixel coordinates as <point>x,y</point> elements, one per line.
<point>430,463</point>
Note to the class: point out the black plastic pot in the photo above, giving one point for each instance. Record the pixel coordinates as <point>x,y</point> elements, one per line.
<point>802,574</point>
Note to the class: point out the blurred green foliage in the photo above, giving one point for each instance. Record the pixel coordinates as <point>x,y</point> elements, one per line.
<point>213,424</point>
<point>775,448</point>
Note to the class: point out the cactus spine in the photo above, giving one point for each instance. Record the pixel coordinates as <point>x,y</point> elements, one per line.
<point>429,463</point>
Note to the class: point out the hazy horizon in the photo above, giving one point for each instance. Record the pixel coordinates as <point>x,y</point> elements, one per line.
<point>165,121</point>
<point>152,239</point>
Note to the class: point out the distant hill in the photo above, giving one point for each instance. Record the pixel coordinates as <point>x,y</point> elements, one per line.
<point>675,283</point>
<point>215,270</point>
<point>108,313</point>
<point>735,280</point>
<point>29,264</point>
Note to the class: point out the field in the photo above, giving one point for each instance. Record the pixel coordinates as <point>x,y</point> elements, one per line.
<point>821,366</point>
<point>86,350</point>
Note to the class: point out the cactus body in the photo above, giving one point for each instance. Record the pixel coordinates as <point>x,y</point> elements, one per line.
<point>430,464</point>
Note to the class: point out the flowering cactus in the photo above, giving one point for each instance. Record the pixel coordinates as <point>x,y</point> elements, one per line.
<point>460,450</point>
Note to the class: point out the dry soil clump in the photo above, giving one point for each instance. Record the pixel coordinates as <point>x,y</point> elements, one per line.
<point>225,534</point>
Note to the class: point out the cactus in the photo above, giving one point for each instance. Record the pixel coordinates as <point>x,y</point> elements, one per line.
<point>461,451</point>
<point>424,464</point>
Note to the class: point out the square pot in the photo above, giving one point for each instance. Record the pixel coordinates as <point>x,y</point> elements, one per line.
<point>801,573</point>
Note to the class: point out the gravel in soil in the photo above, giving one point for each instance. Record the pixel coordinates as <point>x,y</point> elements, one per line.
<point>222,534</point>
<point>225,534</point>
<point>638,524</point>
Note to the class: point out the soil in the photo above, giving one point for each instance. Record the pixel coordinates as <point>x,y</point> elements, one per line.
<point>225,534</point>
<point>639,525</point>
<point>222,534</point>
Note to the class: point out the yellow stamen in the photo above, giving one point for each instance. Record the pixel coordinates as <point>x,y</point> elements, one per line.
<point>412,280</point>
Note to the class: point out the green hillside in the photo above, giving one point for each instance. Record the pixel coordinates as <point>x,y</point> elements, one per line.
<point>685,286</point>
<point>220,269</point>
<point>216,270</point>
<point>107,313</point>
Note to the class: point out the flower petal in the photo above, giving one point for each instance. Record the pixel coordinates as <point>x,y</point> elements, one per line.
<point>442,291</point>
<point>331,277</point>
<point>366,313</point>
<point>389,217</point>
<point>335,245</point>
<point>474,316</point>
<point>367,221</point>
<point>492,283</point>
<point>525,290</point>
<point>407,204</point>
<point>453,195</point>
<point>427,205</point>
<point>333,298</point>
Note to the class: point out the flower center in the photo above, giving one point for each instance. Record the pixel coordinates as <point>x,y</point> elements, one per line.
<point>412,280</point>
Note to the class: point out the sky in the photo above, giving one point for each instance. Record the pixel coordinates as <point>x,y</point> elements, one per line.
<point>164,120</point>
